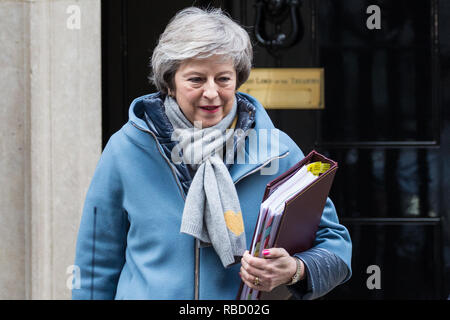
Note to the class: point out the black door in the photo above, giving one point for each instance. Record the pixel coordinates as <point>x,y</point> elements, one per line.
<point>386,120</point>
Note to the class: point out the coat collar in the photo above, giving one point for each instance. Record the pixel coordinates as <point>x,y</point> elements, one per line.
<point>262,130</point>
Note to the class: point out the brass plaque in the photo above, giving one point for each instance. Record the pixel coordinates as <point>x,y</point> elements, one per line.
<point>286,88</point>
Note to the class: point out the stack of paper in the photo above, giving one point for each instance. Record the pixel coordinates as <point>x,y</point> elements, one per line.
<point>272,209</point>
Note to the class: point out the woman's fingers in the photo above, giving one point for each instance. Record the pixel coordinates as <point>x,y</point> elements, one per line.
<point>253,262</point>
<point>272,270</point>
<point>250,280</point>
<point>251,267</point>
<point>274,253</point>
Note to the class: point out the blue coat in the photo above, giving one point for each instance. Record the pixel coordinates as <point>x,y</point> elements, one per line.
<point>129,243</point>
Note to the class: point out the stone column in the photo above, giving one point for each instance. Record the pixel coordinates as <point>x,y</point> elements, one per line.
<point>51,139</point>
<point>13,151</point>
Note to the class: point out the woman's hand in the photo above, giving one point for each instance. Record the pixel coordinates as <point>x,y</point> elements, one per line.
<point>263,274</point>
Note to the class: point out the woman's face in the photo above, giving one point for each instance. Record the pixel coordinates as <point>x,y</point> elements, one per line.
<point>205,89</point>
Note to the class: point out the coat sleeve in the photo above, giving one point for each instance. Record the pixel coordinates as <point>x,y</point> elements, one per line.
<point>328,262</point>
<point>101,242</point>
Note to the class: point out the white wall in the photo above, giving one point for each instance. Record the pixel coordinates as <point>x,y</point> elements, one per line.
<point>50,131</point>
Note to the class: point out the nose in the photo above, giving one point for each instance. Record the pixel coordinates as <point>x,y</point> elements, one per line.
<point>210,90</point>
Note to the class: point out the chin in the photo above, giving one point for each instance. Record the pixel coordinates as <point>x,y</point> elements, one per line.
<point>209,123</point>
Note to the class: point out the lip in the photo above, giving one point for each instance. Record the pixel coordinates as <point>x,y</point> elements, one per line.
<point>210,109</point>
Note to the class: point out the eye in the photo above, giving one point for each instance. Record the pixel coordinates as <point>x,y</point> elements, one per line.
<point>195,79</point>
<point>224,79</point>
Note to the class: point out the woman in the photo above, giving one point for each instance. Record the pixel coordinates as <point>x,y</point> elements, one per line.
<point>168,214</point>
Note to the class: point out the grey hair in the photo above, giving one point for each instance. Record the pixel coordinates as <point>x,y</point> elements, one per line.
<point>200,33</point>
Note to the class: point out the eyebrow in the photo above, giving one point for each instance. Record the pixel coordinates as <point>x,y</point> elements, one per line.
<point>189,73</point>
<point>225,72</point>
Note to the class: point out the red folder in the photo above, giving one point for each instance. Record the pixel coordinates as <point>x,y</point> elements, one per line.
<point>301,216</point>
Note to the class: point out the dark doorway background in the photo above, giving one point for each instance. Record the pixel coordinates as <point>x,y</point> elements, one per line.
<point>386,121</point>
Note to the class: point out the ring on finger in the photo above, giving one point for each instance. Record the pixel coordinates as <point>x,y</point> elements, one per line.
<point>256,282</point>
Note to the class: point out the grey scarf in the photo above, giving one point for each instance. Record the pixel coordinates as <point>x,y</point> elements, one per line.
<point>212,211</point>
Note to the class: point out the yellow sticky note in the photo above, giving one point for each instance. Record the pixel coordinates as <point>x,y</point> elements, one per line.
<point>318,167</point>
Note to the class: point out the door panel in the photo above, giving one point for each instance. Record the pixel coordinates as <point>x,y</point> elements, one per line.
<point>403,253</point>
<point>379,83</point>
